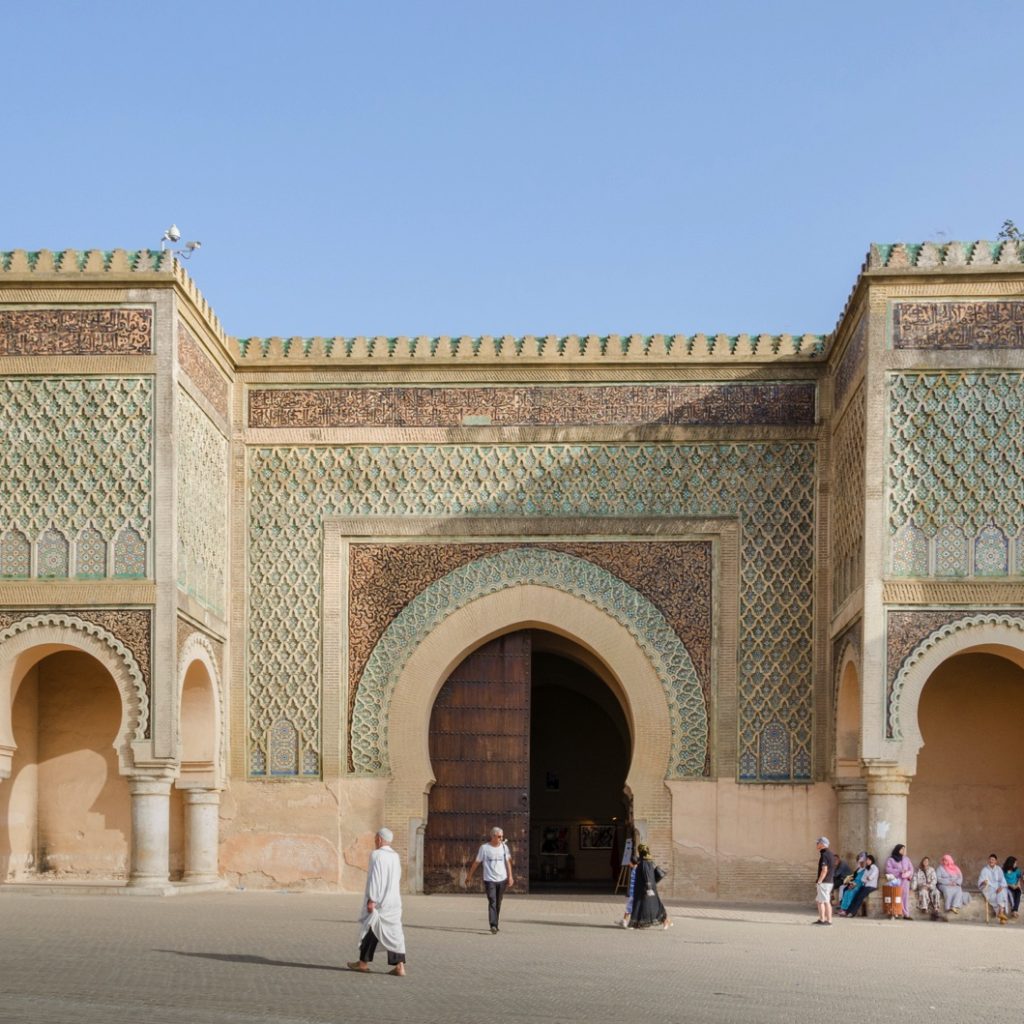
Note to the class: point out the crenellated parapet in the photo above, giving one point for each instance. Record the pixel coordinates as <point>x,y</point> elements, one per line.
<point>136,267</point>
<point>547,349</point>
<point>941,255</point>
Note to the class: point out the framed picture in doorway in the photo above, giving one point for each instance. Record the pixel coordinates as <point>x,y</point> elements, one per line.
<point>597,837</point>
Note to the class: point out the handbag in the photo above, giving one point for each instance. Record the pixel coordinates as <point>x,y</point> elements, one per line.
<point>659,873</point>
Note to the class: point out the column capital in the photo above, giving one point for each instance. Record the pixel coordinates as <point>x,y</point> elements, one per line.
<point>6,757</point>
<point>887,777</point>
<point>200,794</point>
<point>150,783</point>
<point>850,786</point>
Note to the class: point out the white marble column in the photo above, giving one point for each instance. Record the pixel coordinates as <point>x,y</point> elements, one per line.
<point>852,816</point>
<point>151,806</point>
<point>888,787</point>
<point>202,834</point>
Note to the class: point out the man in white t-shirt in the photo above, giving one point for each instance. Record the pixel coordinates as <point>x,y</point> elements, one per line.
<point>497,873</point>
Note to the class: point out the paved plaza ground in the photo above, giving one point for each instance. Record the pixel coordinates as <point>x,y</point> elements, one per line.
<point>279,957</point>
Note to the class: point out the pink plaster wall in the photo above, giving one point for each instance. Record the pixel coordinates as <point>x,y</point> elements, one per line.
<point>299,835</point>
<point>83,802</point>
<point>737,842</point>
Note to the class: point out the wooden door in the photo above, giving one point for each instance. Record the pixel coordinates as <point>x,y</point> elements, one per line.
<point>480,752</point>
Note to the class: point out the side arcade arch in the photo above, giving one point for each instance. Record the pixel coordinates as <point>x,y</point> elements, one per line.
<point>29,640</point>
<point>991,633</point>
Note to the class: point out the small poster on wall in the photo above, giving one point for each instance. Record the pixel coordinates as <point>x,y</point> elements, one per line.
<point>597,837</point>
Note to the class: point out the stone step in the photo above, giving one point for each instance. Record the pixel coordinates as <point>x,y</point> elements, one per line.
<point>80,887</point>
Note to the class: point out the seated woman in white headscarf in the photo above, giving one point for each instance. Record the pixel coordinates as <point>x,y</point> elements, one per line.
<point>951,884</point>
<point>992,883</point>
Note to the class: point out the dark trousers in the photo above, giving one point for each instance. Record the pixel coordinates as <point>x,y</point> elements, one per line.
<point>369,946</point>
<point>495,891</point>
<point>858,900</point>
<point>1014,895</point>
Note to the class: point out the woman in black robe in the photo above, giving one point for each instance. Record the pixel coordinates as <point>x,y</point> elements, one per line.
<point>648,909</point>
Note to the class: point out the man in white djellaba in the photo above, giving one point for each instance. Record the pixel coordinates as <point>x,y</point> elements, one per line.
<point>992,883</point>
<point>382,914</point>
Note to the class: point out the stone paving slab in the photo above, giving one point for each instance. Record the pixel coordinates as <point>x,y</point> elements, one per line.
<point>279,957</point>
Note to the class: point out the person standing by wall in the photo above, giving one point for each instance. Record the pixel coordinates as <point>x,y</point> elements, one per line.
<point>900,867</point>
<point>497,874</point>
<point>381,921</point>
<point>827,862</point>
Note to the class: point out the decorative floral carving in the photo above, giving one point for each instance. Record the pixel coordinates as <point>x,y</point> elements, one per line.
<point>493,573</point>
<point>674,575</point>
<point>850,362</point>
<point>201,370</point>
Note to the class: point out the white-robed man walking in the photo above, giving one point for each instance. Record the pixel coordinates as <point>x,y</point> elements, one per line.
<point>382,913</point>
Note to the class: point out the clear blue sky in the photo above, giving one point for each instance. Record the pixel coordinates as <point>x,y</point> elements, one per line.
<point>482,167</point>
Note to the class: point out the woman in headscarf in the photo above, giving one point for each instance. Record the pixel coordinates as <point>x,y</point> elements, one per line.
<point>868,884</point>
<point>647,906</point>
<point>950,880</point>
<point>849,888</point>
<point>900,867</point>
<point>926,885</point>
<point>1011,871</point>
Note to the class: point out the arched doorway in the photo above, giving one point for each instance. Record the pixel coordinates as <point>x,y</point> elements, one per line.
<point>66,807</point>
<point>528,733</point>
<point>965,796</point>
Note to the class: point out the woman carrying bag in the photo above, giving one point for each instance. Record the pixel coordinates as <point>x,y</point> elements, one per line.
<point>648,909</point>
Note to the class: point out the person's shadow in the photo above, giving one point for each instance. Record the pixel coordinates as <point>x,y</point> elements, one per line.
<point>248,958</point>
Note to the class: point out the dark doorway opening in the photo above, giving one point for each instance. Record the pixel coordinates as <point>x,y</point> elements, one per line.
<point>579,756</point>
<point>526,734</point>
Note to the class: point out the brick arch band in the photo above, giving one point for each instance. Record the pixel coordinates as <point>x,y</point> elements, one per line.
<point>586,583</point>
<point>67,632</point>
